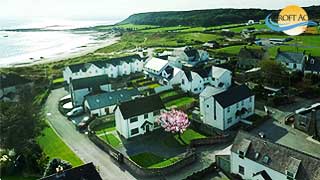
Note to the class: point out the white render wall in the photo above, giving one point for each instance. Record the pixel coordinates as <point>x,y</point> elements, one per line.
<point>222,114</point>
<point>252,167</point>
<point>196,86</point>
<point>124,127</point>
<point>225,79</point>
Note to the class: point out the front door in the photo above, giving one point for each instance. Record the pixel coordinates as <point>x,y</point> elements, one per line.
<point>147,128</point>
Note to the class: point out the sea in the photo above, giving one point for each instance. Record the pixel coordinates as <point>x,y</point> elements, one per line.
<point>23,41</point>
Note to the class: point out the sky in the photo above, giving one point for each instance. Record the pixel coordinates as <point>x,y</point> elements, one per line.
<point>124,8</point>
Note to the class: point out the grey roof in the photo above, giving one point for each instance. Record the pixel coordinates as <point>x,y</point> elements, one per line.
<point>104,63</point>
<point>110,98</point>
<point>204,72</point>
<point>313,64</point>
<point>83,172</point>
<point>89,82</point>
<point>141,106</point>
<point>8,80</point>
<point>233,95</point>
<point>282,158</point>
<point>249,56</point>
<point>290,57</point>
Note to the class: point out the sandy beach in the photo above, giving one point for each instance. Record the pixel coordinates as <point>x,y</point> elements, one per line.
<point>81,51</point>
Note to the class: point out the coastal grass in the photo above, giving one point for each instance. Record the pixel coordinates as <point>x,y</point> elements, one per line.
<point>54,147</point>
<point>150,160</point>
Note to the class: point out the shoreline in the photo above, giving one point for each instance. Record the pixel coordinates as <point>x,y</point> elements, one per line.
<point>82,50</point>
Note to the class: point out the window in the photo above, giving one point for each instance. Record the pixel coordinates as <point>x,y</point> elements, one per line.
<point>241,170</point>
<point>229,120</point>
<point>182,82</point>
<point>290,175</point>
<point>237,105</point>
<point>146,116</point>
<point>134,131</point>
<point>208,106</point>
<point>242,102</point>
<point>195,89</point>
<point>228,109</point>
<point>294,66</point>
<point>250,99</point>
<point>135,119</point>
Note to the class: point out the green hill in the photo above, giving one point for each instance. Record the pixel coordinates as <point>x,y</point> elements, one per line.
<point>206,18</point>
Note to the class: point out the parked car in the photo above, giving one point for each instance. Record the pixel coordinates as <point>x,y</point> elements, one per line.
<point>82,126</point>
<point>74,112</point>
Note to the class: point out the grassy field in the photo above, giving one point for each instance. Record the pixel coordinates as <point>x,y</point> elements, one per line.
<point>256,26</point>
<point>150,160</point>
<point>54,147</point>
<point>168,94</point>
<point>165,29</point>
<point>180,102</point>
<point>111,139</point>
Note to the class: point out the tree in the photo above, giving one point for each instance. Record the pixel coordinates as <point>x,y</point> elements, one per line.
<point>273,72</point>
<point>174,121</point>
<point>54,164</point>
<point>20,125</point>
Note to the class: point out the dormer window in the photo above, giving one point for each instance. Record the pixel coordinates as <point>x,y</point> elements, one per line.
<point>266,159</point>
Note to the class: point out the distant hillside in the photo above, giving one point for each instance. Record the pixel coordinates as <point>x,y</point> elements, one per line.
<point>206,18</point>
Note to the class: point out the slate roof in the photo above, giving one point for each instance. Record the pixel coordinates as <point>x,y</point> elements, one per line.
<point>156,64</point>
<point>141,106</point>
<point>83,172</point>
<point>210,91</point>
<point>104,63</point>
<point>233,95</point>
<point>282,158</point>
<point>110,98</point>
<point>313,64</point>
<point>290,57</point>
<point>8,80</point>
<point>204,72</point>
<point>249,56</point>
<point>89,82</point>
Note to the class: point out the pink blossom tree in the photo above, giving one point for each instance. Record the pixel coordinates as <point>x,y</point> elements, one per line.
<point>174,121</point>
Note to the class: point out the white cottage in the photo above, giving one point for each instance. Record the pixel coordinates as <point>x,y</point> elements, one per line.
<point>79,88</point>
<point>292,60</point>
<point>112,67</point>
<point>155,66</point>
<point>223,109</point>
<point>192,82</point>
<point>221,77</point>
<point>171,76</point>
<point>138,116</point>
<point>105,103</point>
<point>187,56</point>
<point>259,159</point>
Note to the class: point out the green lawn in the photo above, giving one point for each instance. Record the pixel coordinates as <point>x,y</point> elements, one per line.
<point>105,127</point>
<point>232,50</point>
<point>150,160</point>
<point>155,85</point>
<point>17,178</point>
<point>165,29</point>
<point>174,141</point>
<point>54,147</point>
<point>58,80</point>
<point>180,102</point>
<point>256,26</point>
<point>111,139</point>
<point>168,94</point>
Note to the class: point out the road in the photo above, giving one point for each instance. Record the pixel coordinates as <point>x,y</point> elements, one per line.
<point>79,143</point>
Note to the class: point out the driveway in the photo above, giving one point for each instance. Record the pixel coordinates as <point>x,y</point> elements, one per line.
<point>79,143</point>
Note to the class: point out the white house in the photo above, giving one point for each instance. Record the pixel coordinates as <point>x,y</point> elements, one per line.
<point>105,103</point>
<point>292,60</point>
<point>79,88</point>
<point>192,82</point>
<point>171,76</point>
<point>138,116</point>
<point>188,56</point>
<point>112,67</point>
<point>224,109</point>
<point>13,87</point>
<point>155,66</point>
<point>312,66</point>
<point>259,159</point>
<point>221,77</point>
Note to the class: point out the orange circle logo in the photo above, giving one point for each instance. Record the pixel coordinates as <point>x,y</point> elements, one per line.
<point>292,15</point>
